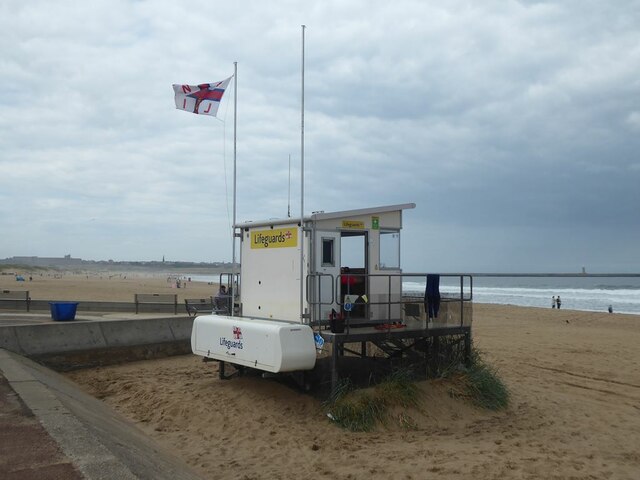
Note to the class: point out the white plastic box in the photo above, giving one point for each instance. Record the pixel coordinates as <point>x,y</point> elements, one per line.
<point>269,345</point>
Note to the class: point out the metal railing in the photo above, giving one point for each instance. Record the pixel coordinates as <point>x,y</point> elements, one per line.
<point>393,294</point>
<point>231,282</point>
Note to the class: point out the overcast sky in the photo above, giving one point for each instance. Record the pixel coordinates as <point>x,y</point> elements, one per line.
<point>513,125</point>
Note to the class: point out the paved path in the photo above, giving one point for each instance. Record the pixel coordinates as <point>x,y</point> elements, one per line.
<point>27,451</point>
<point>49,429</point>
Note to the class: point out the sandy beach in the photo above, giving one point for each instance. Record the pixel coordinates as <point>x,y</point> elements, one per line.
<point>103,286</point>
<point>574,379</point>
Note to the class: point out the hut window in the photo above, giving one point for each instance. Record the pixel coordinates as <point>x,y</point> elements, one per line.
<point>390,249</point>
<point>328,259</point>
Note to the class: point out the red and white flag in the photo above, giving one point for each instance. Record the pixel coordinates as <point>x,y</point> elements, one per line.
<point>203,99</point>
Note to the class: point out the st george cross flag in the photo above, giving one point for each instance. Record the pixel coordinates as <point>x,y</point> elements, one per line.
<point>203,99</point>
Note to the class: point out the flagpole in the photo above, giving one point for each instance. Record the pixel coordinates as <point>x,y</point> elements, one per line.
<point>302,189</point>
<point>233,228</point>
<point>289,192</point>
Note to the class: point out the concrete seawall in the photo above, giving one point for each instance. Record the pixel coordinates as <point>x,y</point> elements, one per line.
<point>86,306</point>
<point>66,345</point>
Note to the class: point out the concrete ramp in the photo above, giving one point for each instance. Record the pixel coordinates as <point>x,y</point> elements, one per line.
<point>100,443</point>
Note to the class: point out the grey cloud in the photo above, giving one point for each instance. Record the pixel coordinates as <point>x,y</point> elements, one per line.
<point>513,126</point>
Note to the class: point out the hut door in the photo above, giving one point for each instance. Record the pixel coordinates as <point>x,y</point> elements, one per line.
<point>328,266</point>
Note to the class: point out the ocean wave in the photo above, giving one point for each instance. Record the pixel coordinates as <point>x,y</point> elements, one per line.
<point>623,299</point>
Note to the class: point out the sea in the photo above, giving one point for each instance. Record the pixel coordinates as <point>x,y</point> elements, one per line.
<point>592,294</point>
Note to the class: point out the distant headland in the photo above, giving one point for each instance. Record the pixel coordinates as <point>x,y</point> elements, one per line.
<point>70,263</point>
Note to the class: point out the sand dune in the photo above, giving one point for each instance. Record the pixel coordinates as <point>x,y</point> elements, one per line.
<point>574,378</point>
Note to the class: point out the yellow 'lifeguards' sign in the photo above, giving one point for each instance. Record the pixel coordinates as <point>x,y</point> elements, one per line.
<point>353,224</point>
<point>276,238</point>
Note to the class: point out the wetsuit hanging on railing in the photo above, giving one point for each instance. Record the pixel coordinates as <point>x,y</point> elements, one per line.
<point>432,296</point>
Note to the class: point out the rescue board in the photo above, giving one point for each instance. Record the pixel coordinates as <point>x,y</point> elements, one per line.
<point>270,345</point>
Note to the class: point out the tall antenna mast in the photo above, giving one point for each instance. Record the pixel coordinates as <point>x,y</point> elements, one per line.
<point>302,189</point>
<point>289,194</point>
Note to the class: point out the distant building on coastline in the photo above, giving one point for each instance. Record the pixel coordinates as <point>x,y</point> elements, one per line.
<point>67,260</point>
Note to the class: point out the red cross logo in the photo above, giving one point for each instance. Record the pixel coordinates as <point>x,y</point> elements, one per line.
<point>288,234</point>
<point>237,333</point>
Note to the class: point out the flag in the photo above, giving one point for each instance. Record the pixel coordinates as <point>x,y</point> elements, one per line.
<point>203,99</point>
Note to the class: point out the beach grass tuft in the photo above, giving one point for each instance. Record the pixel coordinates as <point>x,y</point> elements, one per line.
<point>398,389</point>
<point>361,410</point>
<point>482,384</point>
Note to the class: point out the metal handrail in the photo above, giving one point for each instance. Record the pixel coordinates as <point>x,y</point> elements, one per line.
<point>337,283</point>
<point>333,291</point>
<point>402,275</point>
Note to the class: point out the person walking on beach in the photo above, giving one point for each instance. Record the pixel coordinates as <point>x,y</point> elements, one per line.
<point>558,302</point>
<point>553,302</point>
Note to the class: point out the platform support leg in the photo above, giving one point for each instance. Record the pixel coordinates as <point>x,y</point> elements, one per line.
<point>435,356</point>
<point>467,349</point>
<point>334,366</point>
<point>363,349</point>
<point>221,371</point>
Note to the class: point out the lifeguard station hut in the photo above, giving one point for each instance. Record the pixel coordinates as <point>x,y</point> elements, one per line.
<point>328,277</point>
<point>344,252</point>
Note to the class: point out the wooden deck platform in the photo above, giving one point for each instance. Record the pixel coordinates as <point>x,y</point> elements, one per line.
<point>363,335</point>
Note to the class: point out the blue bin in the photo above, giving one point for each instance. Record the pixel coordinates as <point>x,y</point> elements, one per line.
<point>61,311</point>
